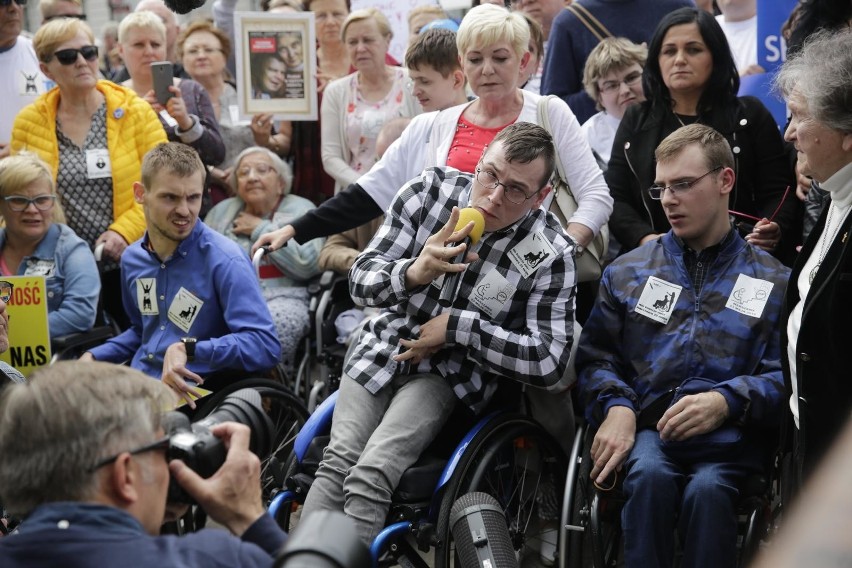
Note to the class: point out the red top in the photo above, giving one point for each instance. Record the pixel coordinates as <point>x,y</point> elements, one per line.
<point>468,143</point>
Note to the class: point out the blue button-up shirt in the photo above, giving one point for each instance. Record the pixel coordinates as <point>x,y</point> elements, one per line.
<point>206,289</point>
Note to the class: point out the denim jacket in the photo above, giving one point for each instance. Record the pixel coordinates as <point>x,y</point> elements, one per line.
<point>73,283</point>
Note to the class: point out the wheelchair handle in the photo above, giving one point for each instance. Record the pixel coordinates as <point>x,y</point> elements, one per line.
<point>99,251</point>
<point>258,256</point>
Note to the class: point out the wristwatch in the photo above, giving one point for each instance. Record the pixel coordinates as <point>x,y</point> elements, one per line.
<point>189,345</point>
<point>579,250</point>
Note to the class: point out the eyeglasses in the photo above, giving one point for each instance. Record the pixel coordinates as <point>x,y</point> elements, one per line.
<point>512,193</point>
<point>6,289</point>
<point>5,3</point>
<point>161,444</point>
<point>260,169</point>
<point>196,51</point>
<point>612,86</point>
<point>69,56</point>
<point>656,191</point>
<point>81,17</point>
<point>18,203</point>
<point>758,219</point>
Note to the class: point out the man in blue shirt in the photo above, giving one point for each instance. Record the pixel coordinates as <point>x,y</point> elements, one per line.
<point>191,294</point>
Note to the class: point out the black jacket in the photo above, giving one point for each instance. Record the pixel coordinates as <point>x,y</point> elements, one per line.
<point>762,166</point>
<point>824,382</point>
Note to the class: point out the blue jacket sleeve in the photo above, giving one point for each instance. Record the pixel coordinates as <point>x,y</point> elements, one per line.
<point>80,293</point>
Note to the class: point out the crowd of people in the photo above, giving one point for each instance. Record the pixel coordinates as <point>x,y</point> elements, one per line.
<point>712,326</point>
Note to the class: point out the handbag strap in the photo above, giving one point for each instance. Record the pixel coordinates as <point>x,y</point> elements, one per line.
<point>587,19</point>
<point>544,122</point>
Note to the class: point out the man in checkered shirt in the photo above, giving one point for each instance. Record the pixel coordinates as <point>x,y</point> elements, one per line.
<point>512,318</point>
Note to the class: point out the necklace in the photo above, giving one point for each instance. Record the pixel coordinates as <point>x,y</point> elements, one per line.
<point>825,244</point>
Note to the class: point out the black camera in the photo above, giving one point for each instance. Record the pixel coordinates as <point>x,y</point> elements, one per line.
<point>196,446</point>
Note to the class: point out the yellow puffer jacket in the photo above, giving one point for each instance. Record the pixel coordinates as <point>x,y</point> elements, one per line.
<point>132,129</point>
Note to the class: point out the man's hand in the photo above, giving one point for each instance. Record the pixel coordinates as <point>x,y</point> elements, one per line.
<point>613,442</point>
<point>433,336</point>
<point>175,371</point>
<point>766,235</point>
<point>274,240</point>
<point>434,259</point>
<point>693,415</point>
<point>232,495</point>
<point>114,244</point>
<point>86,357</point>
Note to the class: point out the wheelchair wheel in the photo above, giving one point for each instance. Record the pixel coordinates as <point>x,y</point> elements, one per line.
<point>599,544</point>
<point>287,414</point>
<point>516,461</point>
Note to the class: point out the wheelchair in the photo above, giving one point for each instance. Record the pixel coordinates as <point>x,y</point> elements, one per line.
<point>505,454</point>
<point>591,518</point>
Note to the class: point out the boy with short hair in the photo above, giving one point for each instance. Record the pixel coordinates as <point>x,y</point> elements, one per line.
<point>433,66</point>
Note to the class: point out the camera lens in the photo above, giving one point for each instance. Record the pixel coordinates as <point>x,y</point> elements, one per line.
<point>245,407</point>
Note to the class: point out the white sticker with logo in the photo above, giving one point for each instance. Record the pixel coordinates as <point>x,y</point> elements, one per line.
<point>658,299</point>
<point>184,309</point>
<point>36,267</point>
<point>29,82</point>
<point>492,293</point>
<point>532,252</point>
<point>146,296</point>
<point>97,163</point>
<point>749,296</point>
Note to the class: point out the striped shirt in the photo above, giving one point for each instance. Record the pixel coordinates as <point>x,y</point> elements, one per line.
<point>528,334</point>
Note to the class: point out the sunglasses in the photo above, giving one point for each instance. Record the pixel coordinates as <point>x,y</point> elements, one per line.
<point>161,444</point>
<point>8,2</point>
<point>69,56</point>
<point>81,17</point>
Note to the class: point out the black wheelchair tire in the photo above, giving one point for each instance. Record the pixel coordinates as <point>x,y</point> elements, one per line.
<point>498,440</point>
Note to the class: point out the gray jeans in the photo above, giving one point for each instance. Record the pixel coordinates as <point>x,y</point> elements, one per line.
<point>374,439</point>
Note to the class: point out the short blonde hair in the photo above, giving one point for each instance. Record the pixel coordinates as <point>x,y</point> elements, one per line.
<point>19,171</point>
<point>611,54</point>
<point>717,152</point>
<point>488,24</point>
<point>431,9</point>
<point>368,14</point>
<point>141,21</point>
<point>50,35</point>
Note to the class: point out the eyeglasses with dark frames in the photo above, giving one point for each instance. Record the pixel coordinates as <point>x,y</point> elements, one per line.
<point>161,444</point>
<point>5,3</point>
<point>81,17</point>
<point>6,289</point>
<point>69,56</point>
<point>656,191</point>
<point>758,219</point>
<point>18,203</point>
<point>513,193</point>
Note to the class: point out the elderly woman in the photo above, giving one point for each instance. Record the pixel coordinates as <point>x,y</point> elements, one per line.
<point>613,79</point>
<point>355,108</point>
<point>188,116</point>
<point>493,45</point>
<point>816,84</point>
<point>264,203</point>
<point>690,77</point>
<point>93,135</point>
<point>31,244</point>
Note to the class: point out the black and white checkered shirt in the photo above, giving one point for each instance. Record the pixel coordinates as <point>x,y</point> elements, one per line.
<point>528,339</point>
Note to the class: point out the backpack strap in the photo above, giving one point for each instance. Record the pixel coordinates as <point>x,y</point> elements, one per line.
<point>587,19</point>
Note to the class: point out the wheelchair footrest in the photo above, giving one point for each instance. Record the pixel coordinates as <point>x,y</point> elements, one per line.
<point>300,484</point>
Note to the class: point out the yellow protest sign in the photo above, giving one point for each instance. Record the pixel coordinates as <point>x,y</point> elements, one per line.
<point>29,337</point>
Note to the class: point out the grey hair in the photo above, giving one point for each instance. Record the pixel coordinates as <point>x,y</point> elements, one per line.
<point>822,74</point>
<point>55,428</point>
<point>285,174</point>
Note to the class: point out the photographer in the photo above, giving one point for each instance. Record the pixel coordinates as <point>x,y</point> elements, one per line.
<point>82,460</point>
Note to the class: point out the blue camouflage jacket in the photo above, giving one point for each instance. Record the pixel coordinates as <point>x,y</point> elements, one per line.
<point>648,331</point>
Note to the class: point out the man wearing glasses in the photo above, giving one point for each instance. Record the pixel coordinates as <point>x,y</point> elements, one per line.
<point>511,318</point>
<point>85,467</point>
<point>679,364</point>
<point>23,80</point>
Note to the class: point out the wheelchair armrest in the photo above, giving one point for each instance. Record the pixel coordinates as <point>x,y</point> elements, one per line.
<point>94,336</point>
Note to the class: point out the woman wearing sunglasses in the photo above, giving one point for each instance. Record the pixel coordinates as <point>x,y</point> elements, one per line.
<point>31,244</point>
<point>93,135</point>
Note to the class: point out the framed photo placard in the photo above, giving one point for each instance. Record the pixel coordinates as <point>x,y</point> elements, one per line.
<point>276,64</point>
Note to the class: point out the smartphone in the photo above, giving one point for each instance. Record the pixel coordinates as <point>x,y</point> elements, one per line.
<point>163,76</point>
